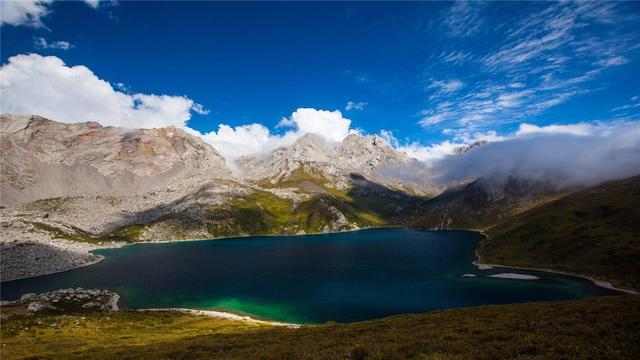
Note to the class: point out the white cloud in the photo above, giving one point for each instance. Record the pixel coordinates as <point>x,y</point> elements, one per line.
<point>581,129</point>
<point>558,156</point>
<point>35,84</point>
<point>24,12</point>
<point>355,105</point>
<point>539,59</point>
<point>463,19</point>
<point>430,154</point>
<point>512,99</point>
<point>432,119</point>
<point>455,57</point>
<point>30,12</point>
<point>438,151</point>
<point>562,155</point>
<point>253,139</point>
<point>234,142</point>
<point>328,124</point>
<point>446,87</point>
<point>198,108</point>
<point>41,43</point>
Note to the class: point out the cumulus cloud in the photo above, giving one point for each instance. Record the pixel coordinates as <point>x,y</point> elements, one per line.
<point>31,12</point>
<point>35,84</point>
<point>24,12</point>
<point>45,85</point>
<point>329,124</point>
<point>253,139</point>
<point>42,43</point>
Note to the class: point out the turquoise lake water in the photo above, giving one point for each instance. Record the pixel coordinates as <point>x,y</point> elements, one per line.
<point>342,277</point>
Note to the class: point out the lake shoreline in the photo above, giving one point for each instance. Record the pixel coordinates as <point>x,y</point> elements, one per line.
<point>117,245</point>
<point>478,262</point>
<point>601,283</point>
<point>267,235</point>
<point>229,315</point>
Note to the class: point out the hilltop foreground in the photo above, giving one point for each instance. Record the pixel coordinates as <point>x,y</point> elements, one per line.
<point>599,328</point>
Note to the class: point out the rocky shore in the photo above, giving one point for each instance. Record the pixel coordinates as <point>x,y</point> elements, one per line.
<point>67,299</point>
<point>29,251</point>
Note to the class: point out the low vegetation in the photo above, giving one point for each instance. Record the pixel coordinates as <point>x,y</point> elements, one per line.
<point>594,231</point>
<point>261,212</point>
<point>598,328</point>
<point>126,234</point>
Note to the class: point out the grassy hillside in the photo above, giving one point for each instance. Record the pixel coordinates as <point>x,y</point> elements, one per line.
<point>599,328</point>
<point>257,211</point>
<point>595,231</point>
<point>260,212</point>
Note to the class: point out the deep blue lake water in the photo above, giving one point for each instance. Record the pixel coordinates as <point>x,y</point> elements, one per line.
<point>341,277</point>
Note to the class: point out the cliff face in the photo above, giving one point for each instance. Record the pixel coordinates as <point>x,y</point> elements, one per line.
<point>43,158</point>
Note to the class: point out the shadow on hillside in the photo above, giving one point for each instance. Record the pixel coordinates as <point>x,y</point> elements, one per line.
<point>32,259</point>
<point>392,206</point>
<point>185,210</point>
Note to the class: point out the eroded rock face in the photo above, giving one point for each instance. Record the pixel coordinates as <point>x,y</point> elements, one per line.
<point>43,158</point>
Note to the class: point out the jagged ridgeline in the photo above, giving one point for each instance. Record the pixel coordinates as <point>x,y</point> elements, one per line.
<point>90,183</point>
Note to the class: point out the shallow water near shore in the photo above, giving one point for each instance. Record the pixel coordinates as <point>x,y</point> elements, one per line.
<point>341,277</point>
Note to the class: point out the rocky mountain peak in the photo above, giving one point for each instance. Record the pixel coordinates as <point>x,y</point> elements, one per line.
<point>366,153</point>
<point>44,158</point>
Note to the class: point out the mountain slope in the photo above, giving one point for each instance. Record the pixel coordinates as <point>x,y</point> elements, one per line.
<point>69,188</point>
<point>335,162</point>
<point>598,328</point>
<point>593,231</point>
<point>43,159</point>
<point>481,203</point>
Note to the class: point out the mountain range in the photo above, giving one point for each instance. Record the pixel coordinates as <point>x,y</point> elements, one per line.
<point>69,184</point>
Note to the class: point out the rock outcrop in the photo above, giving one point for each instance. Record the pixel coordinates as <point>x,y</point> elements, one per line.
<point>77,299</point>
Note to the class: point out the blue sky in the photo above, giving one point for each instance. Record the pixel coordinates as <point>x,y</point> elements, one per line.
<point>427,72</point>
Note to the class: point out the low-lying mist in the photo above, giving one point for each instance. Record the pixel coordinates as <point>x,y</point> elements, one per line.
<point>560,159</point>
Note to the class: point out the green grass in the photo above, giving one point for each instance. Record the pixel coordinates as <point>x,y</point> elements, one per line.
<point>261,212</point>
<point>595,231</point>
<point>126,234</point>
<point>264,213</point>
<point>598,328</point>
